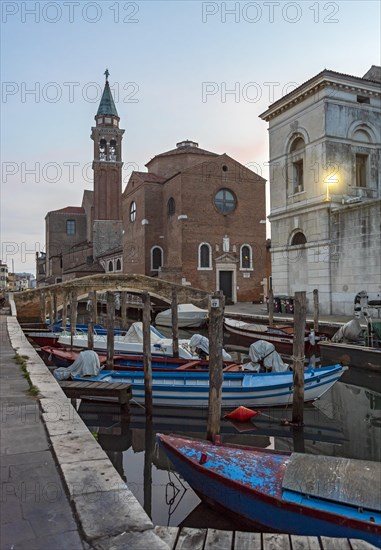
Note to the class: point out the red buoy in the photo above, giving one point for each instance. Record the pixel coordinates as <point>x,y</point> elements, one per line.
<point>241,414</point>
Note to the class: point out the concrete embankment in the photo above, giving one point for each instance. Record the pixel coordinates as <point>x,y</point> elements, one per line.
<point>58,458</point>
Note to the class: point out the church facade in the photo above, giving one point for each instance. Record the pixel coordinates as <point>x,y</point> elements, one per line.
<point>195,218</point>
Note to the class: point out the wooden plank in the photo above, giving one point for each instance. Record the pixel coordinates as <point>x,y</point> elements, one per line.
<point>358,544</point>
<point>273,541</point>
<point>247,541</point>
<point>168,535</point>
<point>304,543</point>
<point>215,538</point>
<point>340,544</point>
<point>191,539</point>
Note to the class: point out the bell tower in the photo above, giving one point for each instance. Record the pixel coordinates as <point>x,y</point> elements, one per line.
<point>107,163</point>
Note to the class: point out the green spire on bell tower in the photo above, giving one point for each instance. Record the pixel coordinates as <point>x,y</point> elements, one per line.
<point>107,105</point>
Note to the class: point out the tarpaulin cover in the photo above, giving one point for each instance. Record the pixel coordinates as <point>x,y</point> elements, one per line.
<point>263,353</point>
<point>350,332</point>
<point>86,364</point>
<point>202,342</point>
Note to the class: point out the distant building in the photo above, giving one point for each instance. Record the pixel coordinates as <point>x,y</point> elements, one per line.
<point>325,188</point>
<point>3,276</point>
<point>197,218</point>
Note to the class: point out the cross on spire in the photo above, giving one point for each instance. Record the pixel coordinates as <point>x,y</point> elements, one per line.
<point>107,74</point>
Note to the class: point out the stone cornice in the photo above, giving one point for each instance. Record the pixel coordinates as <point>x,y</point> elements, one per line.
<point>317,83</point>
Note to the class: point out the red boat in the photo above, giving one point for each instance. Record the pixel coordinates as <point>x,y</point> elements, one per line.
<point>63,357</point>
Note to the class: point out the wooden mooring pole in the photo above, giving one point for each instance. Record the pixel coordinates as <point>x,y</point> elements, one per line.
<point>55,313</point>
<point>64,309</point>
<point>298,357</point>
<point>147,353</point>
<point>271,307</point>
<point>42,306</point>
<point>73,315</point>
<point>216,316</point>
<point>175,324</point>
<point>316,310</point>
<point>51,310</point>
<point>123,309</point>
<point>91,309</point>
<point>110,328</point>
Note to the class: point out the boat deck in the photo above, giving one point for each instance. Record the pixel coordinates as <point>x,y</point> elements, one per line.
<point>185,538</point>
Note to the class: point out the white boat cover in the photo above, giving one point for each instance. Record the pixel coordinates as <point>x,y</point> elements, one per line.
<point>350,332</point>
<point>263,353</point>
<point>186,313</point>
<point>202,342</point>
<point>135,334</point>
<point>86,364</point>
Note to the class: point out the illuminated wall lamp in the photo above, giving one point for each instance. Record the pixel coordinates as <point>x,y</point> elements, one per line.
<point>331,180</point>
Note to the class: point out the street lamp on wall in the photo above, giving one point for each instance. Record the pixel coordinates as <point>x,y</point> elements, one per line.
<point>330,180</point>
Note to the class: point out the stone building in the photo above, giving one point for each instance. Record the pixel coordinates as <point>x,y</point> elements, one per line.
<point>325,188</point>
<point>197,218</point>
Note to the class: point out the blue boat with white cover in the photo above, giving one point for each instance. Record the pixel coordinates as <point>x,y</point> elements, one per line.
<point>182,388</point>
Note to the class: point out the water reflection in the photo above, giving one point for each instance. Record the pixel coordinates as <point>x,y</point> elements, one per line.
<point>345,422</point>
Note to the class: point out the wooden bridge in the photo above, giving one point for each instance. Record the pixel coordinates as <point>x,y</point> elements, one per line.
<point>30,303</point>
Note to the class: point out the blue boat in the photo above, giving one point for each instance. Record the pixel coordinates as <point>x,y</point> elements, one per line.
<point>182,388</point>
<point>285,492</point>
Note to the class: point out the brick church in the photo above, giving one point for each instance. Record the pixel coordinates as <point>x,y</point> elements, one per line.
<point>195,218</point>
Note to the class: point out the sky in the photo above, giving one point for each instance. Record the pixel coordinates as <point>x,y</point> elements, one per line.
<point>202,71</point>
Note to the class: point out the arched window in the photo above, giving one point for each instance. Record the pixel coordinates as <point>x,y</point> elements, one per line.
<point>118,265</point>
<point>132,211</point>
<point>246,257</point>
<point>171,206</point>
<point>112,151</point>
<point>156,258</point>
<point>298,238</point>
<point>297,165</point>
<point>110,266</point>
<point>204,256</point>
<point>102,149</point>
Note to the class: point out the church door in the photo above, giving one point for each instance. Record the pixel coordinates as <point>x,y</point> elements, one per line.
<point>226,285</point>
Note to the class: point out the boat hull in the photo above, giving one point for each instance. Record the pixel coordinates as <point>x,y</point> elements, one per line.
<point>250,487</point>
<point>351,355</point>
<point>281,337</point>
<point>191,389</point>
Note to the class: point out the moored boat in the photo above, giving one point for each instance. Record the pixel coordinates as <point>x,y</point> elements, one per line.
<point>63,357</point>
<point>182,388</point>
<point>352,355</point>
<point>284,492</point>
<point>281,336</point>
<point>132,342</point>
<point>188,316</point>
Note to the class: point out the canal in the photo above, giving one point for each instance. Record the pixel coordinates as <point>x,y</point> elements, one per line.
<point>344,422</point>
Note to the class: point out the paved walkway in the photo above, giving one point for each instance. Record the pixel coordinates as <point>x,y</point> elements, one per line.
<point>35,511</point>
<point>260,311</point>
